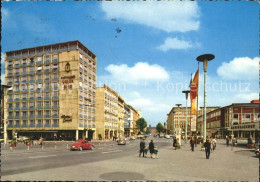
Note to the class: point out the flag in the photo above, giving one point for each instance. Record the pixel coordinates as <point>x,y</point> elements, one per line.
<point>194,92</point>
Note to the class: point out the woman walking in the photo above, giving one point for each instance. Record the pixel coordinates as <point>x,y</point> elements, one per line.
<point>151,148</point>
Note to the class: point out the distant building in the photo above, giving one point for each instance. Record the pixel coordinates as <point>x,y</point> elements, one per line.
<point>128,121</point>
<point>135,118</point>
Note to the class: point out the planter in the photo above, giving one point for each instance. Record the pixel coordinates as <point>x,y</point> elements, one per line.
<point>250,146</point>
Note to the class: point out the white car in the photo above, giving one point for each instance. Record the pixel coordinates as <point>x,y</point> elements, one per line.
<point>167,136</point>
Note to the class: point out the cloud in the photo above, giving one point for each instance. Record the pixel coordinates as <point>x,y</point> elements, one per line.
<point>166,16</point>
<point>174,43</point>
<point>141,102</point>
<point>247,97</point>
<point>242,68</point>
<point>141,71</point>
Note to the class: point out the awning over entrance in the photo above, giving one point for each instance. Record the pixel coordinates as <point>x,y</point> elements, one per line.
<point>213,131</point>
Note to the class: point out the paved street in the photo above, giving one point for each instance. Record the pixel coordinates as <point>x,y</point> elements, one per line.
<point>109,161</point>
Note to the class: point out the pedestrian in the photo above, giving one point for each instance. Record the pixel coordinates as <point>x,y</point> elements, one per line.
<point>214,143</point>
<point>145,151</point>
<point>156,152</point>
<point>207,148</point>
<point>174,143</point>
<point>192,143</point>
<point>227,141</point>
<point>211,144</point>
<point>142,147</point>
<point>151,148</point>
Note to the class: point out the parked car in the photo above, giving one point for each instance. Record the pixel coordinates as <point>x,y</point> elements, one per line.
<point>167,136</point>
<point>121,141</point>
<point>81,145</point>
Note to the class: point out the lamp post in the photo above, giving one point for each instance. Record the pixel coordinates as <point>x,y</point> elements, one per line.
<point>205,58</point>
<point>3,87</point>
<point>186,119</point>
<point>173,123</point>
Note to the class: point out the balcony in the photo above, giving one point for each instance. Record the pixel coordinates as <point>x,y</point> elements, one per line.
<point>31,116</point>
<point>39,107</point>
<point>32,125</point>
<point>55,79</point>
<point>55,107</point>
<point>24,125</point>
<point>10,100</point>
<point>80,78</point>
<point>47,89</point>
<point>39,125</point>
<point>17,108</point>
<point>39,116</point>
<point>9,91</point>
<point>24,65</point>
<point>24,99</point>
<point>32,63</point>
<point>47,116</point>
<point>16,117</point>
<point>47,62</point>
<point>47,125</point>
<point>24,108</point>
<point>17,126</point>
<point>17,65</point>
<point>10,66</point>
<point>10,74</point>
<point>32,72</point>
<point>31,81</point>
<point>55,97</point>
<point>47,71</point>
<point>10,117</point>
<point>38,62</point>
<point>39,71</point>
<point>10,125</point>
<point>31,108</point>
<point>80,116</point>
<point>24,81</point>
<point>16,99</point>
<point>9,83</point>
<point>47,98</point>
<point>55,88</point>
<point>24,73</point>
<point>38,89</point>
<point>55,116</point>
<point>55,61</point>
<point>31,98</point>
<point>47,79</point>
<point>39,80</point>
<point>55,125</point>
<point>24,117</point>
<point>39,98</point>
<point>55,69</point>
<point>47,107</point>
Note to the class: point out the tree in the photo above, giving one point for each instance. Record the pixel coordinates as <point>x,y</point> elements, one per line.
<point>159,128</point>
<point>147,131</point>
<point>141,124</point>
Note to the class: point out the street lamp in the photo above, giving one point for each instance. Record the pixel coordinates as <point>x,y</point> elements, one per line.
<point>173,123</point>
<point>205,58</point>
<point>3,87</point>
<point>186,119</point>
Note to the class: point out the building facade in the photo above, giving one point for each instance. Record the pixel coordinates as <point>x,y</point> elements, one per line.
<point>128,121</point>
<point>53,91</point>
<point>135,118</point>
<point>238,119</point>
<point>177,117</point>
<point>109,117</point>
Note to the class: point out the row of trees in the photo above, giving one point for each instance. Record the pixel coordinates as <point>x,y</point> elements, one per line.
<point>142,124</point>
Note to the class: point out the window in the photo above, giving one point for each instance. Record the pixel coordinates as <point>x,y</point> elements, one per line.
<point>39,103</point>
<point>56,56</point>
<point>24,96</point>
<point>31,113</point>
<point>24,122</point>
<point>32,122</point>
<point>47,67</point>
<point>24,113</point>
<point>17,79</point>
<point>24,104</point>
<point>47,122</point>
<point>17,122</point>
<point>47,85</point>
<point>55,66</point>
<point>55,103</point>
<point>16,87</point>
<point>10,113</point>
<point>10,63</point>
<point>56,94</point>
<point>31,68</point>
<point>247,115</point>
<point>31,95</point>
<point>47,76</point>
<point>39,113</point>
<point>39,59</point>
<point>16,70</point>
<point>24,78</point>
<point>47,57</point>
<point>39,95</point>
<point>16,62</point>
<point>24,70</point>
<point>54,75</point>
<point>55,113</point>
<point>47,94</point>
<point>47,113</point>
<point>235,116</point>
<point>55,85</point>
<point>31,86</point>
<point>47,103</point>
<point>16,96</point>
<point>39,86</point>
<point>31,104</point>
<point>31,77</point>
<point>17,104</point>
<point>24,61</point>
<point>39,68</point>
<point>31,60</point>
<point>39,76</point>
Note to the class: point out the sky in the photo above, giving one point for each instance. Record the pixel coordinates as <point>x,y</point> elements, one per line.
<point>149,61</point>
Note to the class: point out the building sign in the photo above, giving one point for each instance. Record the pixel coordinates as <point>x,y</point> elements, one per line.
<point>67,67</point>
<point>66,118</point>
<point>66,80</point>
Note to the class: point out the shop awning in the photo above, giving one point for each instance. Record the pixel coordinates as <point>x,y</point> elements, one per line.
<point>213,131</point>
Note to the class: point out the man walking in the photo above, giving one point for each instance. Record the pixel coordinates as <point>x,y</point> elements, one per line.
<point>142,147</point>
<point>151,148</point>
<point>192,143</point>
<point>174,143</point>
<point>207,148</point>
<point>227,141</point>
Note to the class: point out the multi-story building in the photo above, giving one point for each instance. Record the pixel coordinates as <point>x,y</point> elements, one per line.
<point>121,116</point>
<point>241,119</point>
<point>108,123</point>
<point>53,91</point>
<point>135,118</point>
<point>128,121</point>
<point>177,117</point>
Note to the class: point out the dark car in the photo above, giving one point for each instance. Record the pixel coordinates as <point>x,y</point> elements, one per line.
<point>81,145</point>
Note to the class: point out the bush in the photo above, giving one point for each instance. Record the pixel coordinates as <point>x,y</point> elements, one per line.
<point>13,141</point>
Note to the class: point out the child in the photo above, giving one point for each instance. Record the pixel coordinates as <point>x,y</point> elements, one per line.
<point>145,151</point>
<point>156,152</point>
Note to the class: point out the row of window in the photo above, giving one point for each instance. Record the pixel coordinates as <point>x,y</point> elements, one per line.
<point>33,123</point>
<point>53,66</point>
<point>33,59</point>
<point>33,104</point>
<point>243,126</point>
<point>248,116</point>
<point>33,77</point>
<point>32,113</point>
<point>33,95</point>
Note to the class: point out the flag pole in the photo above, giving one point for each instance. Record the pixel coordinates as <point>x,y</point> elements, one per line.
<point>190,108</point>
<point>197,103</point>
